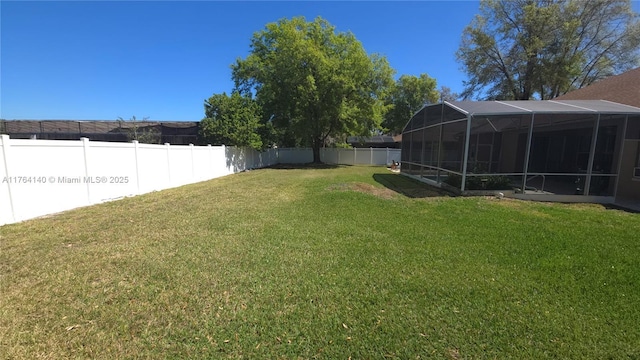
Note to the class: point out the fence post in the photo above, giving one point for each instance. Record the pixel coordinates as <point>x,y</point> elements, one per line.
<point>371,158</point>
<point>257,161</point>
<point>355,155</point>
<point>210,175</point>
<point>193,163</point>
<point>168,147</point>
<point>4,143</point>
<point>387,161</point>
<point>224,155</point>
<point>135,151</point>
<point>85,150</point>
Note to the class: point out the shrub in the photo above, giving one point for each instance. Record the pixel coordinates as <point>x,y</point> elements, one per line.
<point>498,182</point>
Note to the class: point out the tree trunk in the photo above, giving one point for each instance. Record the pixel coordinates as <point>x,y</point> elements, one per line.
<point>316,152</point>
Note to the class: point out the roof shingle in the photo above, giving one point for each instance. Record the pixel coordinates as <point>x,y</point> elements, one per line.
<point>623,88</point>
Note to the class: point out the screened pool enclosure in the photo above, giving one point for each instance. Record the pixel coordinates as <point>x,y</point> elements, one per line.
<point>561,149</point>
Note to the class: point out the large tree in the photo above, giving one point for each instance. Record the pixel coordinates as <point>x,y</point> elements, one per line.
<point>313,82</point>
<point>446,94</point>
<point>409,94</point>
<point>528,49</point>
<point>231,120</point>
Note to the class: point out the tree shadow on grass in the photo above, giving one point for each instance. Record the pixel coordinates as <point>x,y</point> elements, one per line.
<point>409,187</point>
<point>633,209</point>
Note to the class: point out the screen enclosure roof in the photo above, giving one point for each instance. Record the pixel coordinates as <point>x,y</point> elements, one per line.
<point>541,106</point>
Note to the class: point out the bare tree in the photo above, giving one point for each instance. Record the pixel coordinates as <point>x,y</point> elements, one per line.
<point>527,49</point>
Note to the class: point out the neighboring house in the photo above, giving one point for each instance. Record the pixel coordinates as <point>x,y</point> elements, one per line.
<point>173,132</point>
<point>622,89</point>
<point>382,141</point>
<point>569,150</point>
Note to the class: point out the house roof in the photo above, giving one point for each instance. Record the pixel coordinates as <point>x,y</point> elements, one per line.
<point>545,106</point>
<point>623,88</point>
<point>84,126</point>
<point>372,139</point>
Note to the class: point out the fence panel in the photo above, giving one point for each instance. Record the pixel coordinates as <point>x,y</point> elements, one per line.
<point>181,165</point>
<point>379,156</point>
<point>46,177</point>
<point>218,161</point>
<point>261,159</point>
<point>393,155</point>
<point>202,169</point>
<point>329,155</point>
<point>6,203</point>
<point>153,168</point>
<point>235,159</point>
<point>295,156</point>
<point>362,156</point>
<point>111,179</point>
<point>347,156</point>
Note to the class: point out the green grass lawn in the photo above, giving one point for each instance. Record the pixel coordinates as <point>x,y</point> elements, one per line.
<point>321,263</point>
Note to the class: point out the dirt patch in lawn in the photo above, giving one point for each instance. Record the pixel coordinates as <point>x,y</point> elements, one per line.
<point>364,188</point>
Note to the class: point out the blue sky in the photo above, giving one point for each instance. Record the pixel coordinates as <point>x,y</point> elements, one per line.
<point>88,60</point>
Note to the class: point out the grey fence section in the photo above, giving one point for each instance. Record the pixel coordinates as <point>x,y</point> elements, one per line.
<point>360,156</point>
<point>295,155</point>
<point>354,156</point>
<point>241,159</point>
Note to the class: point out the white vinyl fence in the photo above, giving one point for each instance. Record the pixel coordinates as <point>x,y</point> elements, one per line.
<point>359,156</point>
<point>354,156</point>
<point>40,177</point>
